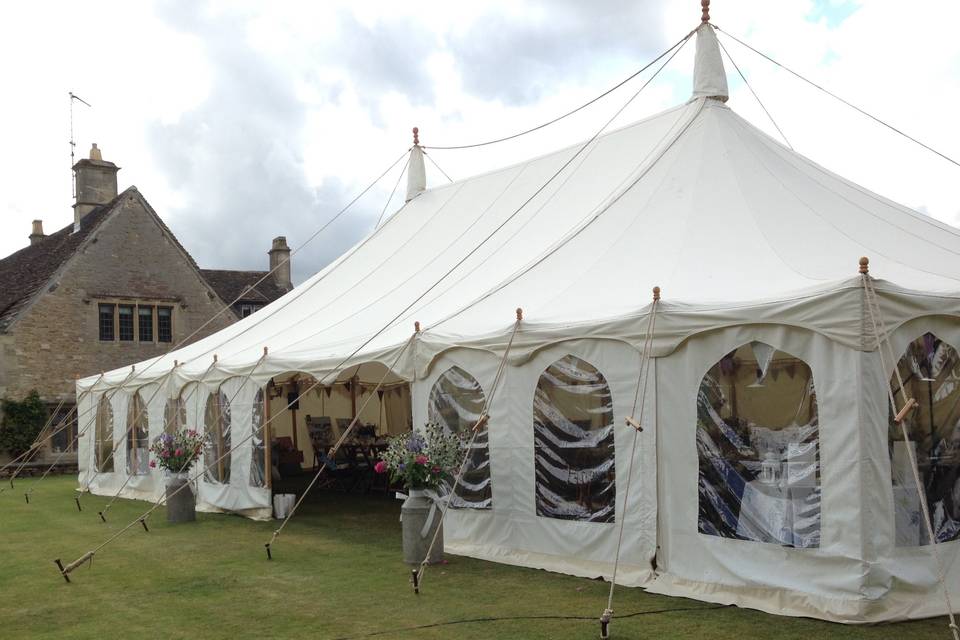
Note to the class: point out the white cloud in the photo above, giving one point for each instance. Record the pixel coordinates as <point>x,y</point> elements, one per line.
<point>239,123</point>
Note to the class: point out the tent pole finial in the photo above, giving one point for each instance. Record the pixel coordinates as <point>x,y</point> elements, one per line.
<point>705,11</point>
<point>519,314</point>
<point>656,293</point>
<point>416,136</point>
<point>416,326</point>
<point>864,265</point>
<point>264,352</point>
<point>215,357</point>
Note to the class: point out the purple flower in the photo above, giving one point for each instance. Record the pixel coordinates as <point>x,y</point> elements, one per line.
<point>415,443</point>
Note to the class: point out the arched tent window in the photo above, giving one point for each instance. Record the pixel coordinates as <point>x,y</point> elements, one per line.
<point>137,437</point>
<point>930,369</point>
<point>758,448</point>
<point>456,402</point>
<point>103,449</point>
<point>258,463</point>
<point>573,443</point>
<point>174,415</point>
<point>217,438</point>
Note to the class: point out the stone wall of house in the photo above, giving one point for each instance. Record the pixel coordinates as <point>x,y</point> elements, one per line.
<point>130,257</point>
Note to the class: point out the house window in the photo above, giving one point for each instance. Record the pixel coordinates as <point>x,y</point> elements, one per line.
<point>573,443</point>
<point>125,322</point>
<point>758,447</point>
<point>64,430</point>
<point>165,324</point>
<point>247,309</point>
<point>145,323</point>
<point>106,322</point>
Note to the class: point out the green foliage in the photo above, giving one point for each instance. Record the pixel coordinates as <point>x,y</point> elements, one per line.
<point>22,422</point>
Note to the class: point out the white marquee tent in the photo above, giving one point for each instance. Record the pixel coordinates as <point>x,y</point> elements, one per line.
<point>768,474</point>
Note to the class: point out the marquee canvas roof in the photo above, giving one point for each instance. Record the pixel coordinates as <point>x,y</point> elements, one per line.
<point>733,226</point>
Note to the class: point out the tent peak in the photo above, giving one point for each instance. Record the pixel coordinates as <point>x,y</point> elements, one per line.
<point>709,76</point>
<point>416,172</point>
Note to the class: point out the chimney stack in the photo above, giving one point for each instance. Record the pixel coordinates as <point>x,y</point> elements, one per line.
<point>96,184</point>
<point>280,263</point>
<point>37,234</point>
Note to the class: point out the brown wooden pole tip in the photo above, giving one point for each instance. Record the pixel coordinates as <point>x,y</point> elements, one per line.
<point>519,314</point>
<point>416,326</point>
<point>416,135</point>
<point>656,293</point>
<point>864,265</point>
<point>265,351</point>
<point>705,7</point>
<point>215,357</point>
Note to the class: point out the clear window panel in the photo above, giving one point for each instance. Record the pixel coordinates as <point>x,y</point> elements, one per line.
<point>217,441</point>
<point>174,415</point>
<point>758,449</point>
<point>573,443</point>
<point>103,445</point>
<point>64,429</point>
<point>930,370</point>
<point>258,463</point>
<point>456,402</point>
<point>138,439</point>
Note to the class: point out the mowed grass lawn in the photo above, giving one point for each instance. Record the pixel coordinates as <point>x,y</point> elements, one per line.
<point>337,573</point>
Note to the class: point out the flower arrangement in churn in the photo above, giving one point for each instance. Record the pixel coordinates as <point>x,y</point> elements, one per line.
<point>176,452</point>
<point>421,459</point>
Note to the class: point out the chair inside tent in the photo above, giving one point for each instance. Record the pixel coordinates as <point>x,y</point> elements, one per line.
<point>770,472</point>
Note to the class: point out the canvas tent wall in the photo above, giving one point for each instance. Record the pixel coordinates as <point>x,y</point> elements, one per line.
<point>752,244</point>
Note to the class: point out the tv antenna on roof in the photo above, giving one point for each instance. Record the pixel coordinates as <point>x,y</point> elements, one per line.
<point>73,144</point>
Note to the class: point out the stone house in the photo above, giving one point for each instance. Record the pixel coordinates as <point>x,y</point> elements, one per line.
<point>112,288</point>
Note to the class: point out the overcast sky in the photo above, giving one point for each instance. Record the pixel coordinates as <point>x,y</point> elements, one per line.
<point>243,121</point>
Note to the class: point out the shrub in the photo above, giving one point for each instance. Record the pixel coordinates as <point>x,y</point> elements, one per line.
<point>22,422</point>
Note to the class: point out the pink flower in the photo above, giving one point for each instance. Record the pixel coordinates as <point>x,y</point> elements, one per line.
<point>421,459</point>
<point>164,454</point>
<point>178,452</point>
<point>381,467</point>
<point>153,464</point>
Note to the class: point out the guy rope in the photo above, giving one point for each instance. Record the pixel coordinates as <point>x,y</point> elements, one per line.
<point>34,448</point>
<point>65,570</point>
<point>160,386</point>
<point>112,455</point>
<point>634,421</point>
<point>899,416</point>
<point>416,575</point>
